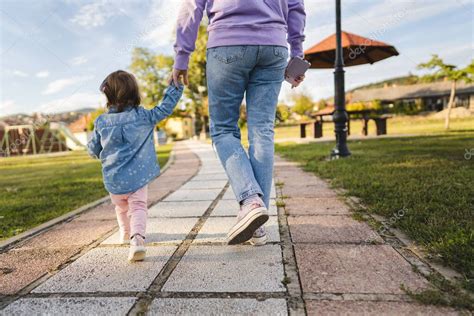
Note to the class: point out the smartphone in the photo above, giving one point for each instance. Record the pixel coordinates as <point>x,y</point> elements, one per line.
<point>296,68</point>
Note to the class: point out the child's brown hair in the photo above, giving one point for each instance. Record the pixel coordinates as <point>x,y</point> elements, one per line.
<point>121,90</point>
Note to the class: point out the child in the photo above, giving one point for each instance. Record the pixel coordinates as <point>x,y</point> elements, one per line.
<point>123,141</point>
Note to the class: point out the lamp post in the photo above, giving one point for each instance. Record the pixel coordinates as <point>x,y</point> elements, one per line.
<point>339,116</point>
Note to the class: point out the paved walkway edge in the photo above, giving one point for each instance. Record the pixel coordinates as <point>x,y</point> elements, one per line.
<point>413,252</point>
<point>11,242</point>
<point>296,305</point>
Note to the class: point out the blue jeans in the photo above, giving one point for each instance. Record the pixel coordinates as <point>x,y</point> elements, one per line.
<point>255,72</point>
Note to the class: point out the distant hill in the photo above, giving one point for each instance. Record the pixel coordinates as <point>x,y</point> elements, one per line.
<point>65,117</point>
<point>404,80</point>
<point>397,81</point>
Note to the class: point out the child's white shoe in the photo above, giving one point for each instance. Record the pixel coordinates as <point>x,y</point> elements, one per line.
<point>137,248</point>
<point>124,238</point>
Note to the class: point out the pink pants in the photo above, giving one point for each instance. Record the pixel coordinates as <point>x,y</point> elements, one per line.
<point>131,210</point>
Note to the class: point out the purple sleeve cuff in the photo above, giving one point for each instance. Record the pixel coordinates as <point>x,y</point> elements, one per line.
<point>297,49</point>
<point>181,61</point>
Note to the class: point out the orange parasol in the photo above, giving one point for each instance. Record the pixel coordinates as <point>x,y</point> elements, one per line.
<point>357,50</point>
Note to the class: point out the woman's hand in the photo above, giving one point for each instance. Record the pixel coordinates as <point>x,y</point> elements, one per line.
<point>298,81</point>
<point>179,77</point>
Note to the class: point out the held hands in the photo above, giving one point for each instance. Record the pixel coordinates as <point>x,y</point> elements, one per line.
<point>178,77</point>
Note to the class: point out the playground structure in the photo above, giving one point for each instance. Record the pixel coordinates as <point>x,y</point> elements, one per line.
<point>17,140</point>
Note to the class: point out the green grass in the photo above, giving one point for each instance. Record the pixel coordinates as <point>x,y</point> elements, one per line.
<point>395,125</point>
<point>427,176</point>
<point>35,189</point>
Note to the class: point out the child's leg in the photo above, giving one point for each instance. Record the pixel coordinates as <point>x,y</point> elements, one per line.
<point>121,210</point>
<point>137,203</point>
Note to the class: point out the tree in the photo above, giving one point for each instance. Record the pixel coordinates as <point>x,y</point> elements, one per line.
<point>450,72</point>
<point>303,103</point>
<point>93,116</point>
<point>322,104</point>
<point>197,88</point>
<point>283,112</point>
<point>152,71</point>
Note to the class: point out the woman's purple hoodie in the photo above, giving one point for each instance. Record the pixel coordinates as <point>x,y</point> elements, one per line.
<point>240,22</point>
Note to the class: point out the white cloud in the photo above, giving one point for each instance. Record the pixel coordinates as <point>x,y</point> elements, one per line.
<point>161,22</point>
<point>371,20</point>
<point>42,74</point>
<point>6,106</point>
<point>58,85</point>
<point>73,102</point>
<point>79,60</point>
<point>19,73</point>
<point>94,14</point>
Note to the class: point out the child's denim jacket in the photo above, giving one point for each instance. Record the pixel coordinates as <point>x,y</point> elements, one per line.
<point>124,144</point>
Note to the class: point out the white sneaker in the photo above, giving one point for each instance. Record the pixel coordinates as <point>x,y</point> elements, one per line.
<point>124,238</point>
<point>259,237</point>
<point>137,248</point>
<point>249,219</point>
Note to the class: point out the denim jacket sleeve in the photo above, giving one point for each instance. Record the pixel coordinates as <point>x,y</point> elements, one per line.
<point>167,105</point>
<point>93,145</point>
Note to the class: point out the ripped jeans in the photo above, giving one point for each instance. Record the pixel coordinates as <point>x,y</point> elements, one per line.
<point>257,73</point>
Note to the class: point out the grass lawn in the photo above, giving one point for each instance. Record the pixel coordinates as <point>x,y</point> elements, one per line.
<point>395,125</point>
<point>427,176</point>
<point>35,189</point>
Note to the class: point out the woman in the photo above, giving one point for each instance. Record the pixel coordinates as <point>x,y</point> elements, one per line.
<point>247,56</point>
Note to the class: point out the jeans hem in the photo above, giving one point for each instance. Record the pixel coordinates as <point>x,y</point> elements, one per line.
<point>248,193</point>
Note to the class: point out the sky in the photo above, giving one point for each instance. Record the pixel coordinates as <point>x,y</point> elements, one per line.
<point>55,53</point>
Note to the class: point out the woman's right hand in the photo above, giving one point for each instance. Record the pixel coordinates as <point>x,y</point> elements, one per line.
<point>298,81</point>
<point>179,77</point>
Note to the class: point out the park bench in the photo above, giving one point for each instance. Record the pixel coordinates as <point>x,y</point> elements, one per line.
<point>366,115</point>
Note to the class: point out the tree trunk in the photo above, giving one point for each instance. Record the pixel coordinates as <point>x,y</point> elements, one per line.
<point>450,103</point>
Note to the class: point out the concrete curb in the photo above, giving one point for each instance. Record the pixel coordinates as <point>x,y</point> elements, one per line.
<point>10,242</point>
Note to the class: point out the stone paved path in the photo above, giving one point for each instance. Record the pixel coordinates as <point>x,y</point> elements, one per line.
<point>319,261</point>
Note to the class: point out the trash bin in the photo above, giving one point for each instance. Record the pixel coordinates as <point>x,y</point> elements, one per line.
<point>303,130</point>
<point>381,125</point>
<point>318,129</point>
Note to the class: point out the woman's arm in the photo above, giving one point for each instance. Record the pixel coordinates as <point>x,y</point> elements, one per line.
<point>296,24</point>
<point>189,18</point>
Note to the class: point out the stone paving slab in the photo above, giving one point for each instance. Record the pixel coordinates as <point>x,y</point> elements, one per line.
<point>20,267</point>
<point>229,194</point>
<point>217,306</point>
<point>193,195</point>
<point>211,170</point>
<point>70,306</point>
<point>210,177</point>
<point>215,229</point>
<point>179,209</point>
<point>315,206</point>
<point>73,233</point>
<point>104,211</point>
<point>330,229</point>
<point>210,184</point>
<point>291,174</point>
<point>370,308</point>
<point>106,269</point>
<point>228,269</point>
<point>308,191</point>
<point>179,171</point>
<point>172,230</point>
<point>231,207</point>
<point>355,269</point>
